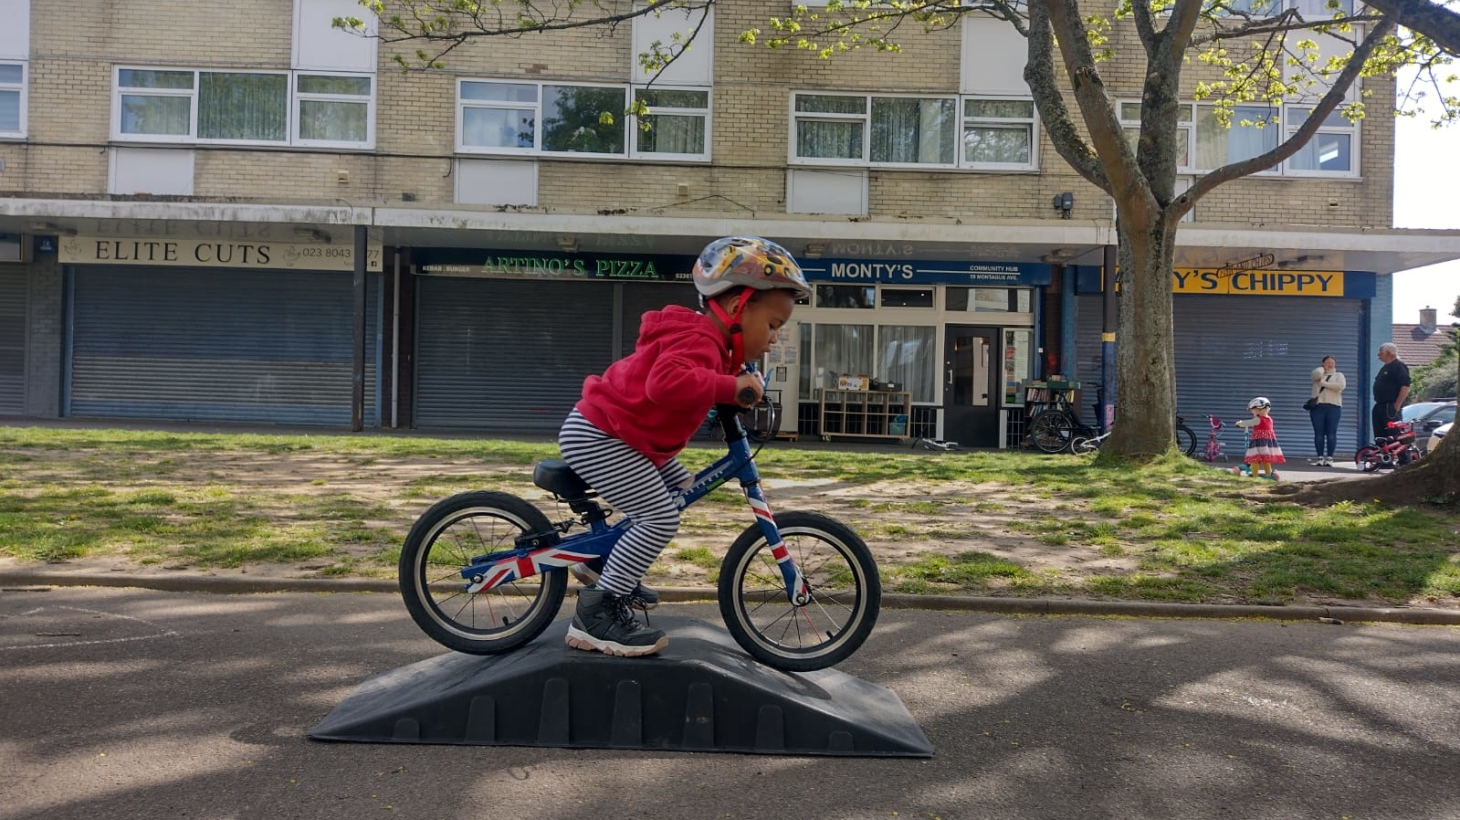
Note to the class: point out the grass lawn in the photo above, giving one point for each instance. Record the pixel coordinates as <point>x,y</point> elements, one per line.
<point>988,523</point>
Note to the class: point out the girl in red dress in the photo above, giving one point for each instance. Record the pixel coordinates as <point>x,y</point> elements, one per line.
<point>1263,452</point>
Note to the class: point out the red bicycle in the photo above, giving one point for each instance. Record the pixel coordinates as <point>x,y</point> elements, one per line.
<point>1394,450</point>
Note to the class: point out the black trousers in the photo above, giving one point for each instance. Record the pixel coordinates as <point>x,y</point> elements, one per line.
<point>1382,414</point>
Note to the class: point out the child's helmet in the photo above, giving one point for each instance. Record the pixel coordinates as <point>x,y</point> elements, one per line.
<point>747,261</point>
<point>1259,403</point>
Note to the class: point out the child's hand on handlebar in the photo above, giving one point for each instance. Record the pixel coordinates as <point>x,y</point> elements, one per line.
<point>748,389</point>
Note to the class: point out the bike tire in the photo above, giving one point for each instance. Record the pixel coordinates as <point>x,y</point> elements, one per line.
<point>1051,431</point>
<point>1084,444</point>
<point>1368,458</point>
<point>443,541</point>
<point>1409,455</point>
<point>1185,440</point>
<point>793,638</point>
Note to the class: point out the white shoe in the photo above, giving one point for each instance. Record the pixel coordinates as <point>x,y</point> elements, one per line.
<point>1328,461</point>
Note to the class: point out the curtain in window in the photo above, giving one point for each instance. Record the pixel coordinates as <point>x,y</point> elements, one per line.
<point>908,359</point>
<point>243,106</point>
<point>844,349</point>
<point>913,130</point>
<point>834,139</point>
<point>334,120</point>
<point>9,110</point>
<point>1217,145</point>
<point>668,134</point>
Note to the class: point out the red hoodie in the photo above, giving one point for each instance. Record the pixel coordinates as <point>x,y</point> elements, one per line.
<point>655,398</point>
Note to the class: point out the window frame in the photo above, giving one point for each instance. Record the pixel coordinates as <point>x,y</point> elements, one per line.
<point>629,124</point>
<point>298,98</point>
<point>292,101</point>
<point>960,122</point>
<point>23,87</point>
<point>1284,127</point>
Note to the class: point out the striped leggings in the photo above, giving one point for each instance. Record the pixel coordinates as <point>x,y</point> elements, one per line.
<point>631,484</point>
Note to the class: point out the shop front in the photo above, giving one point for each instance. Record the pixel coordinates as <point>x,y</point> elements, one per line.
<point>504,338</point>
<point>1246,333</point>
<point>215,330</point>
<point>953,340</point>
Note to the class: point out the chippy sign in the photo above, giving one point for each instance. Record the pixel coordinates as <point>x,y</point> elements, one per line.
<point>1258,282</point>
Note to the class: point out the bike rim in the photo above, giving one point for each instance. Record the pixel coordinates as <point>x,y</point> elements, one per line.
<point>450,546</point>
<point>837,587</point>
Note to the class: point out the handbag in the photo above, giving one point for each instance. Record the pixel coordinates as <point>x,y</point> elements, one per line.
<point>1311,403</point>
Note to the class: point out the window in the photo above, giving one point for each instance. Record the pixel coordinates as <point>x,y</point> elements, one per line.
<point>1204,144</point>
<point>907,297</point>
<point>1309,9</point>
<point>998,133</point>
<point>988,300</point>
<point>251,107</point>
<point>12,99</point>
<point>859,297</point>
<point>858,129</point>
<point>333,109</point>
<point>904,355</point>
<point>497,117</point>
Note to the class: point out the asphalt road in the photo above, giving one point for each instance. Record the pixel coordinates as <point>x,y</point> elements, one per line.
<point>126,703</point>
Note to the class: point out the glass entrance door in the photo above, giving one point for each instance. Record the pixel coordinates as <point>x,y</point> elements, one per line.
<point>970,385</point>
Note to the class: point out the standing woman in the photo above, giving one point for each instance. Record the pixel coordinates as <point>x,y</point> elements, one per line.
<point>1328,385</point>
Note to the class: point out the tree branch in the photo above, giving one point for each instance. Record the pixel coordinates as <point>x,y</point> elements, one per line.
<point>1145,24</point>
<point>1293,144</point>
<point>1428,18</point>
<point>1289,20</point>
<point>1039,73</point>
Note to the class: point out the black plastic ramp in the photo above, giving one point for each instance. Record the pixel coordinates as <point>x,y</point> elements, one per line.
<point>702,694</point>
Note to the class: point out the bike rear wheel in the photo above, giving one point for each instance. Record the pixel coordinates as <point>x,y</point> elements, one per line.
<point>846,594</point>
<point>1369,458</point>
<point>1051,430</point>
<point>443,541</point>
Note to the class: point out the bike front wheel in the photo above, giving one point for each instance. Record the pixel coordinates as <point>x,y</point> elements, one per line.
<point>443,541</point>
<point>1084,444</point>
<point>1051,430</point>
<point>846,594</point>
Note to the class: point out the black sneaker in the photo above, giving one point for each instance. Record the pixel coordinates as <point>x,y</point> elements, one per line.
<point>587,574</point>
<point>604,623</point>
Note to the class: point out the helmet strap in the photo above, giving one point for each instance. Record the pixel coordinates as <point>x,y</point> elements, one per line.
<point>732,324</point>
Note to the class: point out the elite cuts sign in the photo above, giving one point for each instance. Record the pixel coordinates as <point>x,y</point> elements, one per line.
<point>212,253</point>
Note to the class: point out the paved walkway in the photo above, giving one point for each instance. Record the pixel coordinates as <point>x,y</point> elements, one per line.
<point>134,703</point>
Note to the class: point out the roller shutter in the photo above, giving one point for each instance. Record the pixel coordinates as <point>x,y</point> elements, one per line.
<point>12,342</point>
<point>1230,349</point>
<point>507,356</point>
<point>639,299</point>
<point>220,345</point>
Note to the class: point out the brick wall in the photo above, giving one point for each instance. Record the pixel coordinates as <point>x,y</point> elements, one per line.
<point>77,45</point>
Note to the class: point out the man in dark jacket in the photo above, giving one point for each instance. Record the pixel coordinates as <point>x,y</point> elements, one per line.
<point>1391,388</point>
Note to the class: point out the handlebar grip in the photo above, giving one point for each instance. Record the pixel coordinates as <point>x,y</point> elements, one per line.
<point>745,396</point>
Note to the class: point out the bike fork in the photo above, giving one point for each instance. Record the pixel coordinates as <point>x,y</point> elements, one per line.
<point>796,588</point>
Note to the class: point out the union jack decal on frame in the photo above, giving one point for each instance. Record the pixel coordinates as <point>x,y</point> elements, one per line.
<point>533,563</point>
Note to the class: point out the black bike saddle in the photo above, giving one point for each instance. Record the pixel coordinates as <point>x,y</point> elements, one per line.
<point>558,478</point>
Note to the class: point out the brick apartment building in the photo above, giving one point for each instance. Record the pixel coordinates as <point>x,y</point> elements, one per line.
<point>181,187</point>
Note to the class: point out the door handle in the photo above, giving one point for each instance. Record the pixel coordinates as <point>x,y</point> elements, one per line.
<point>950,377</point>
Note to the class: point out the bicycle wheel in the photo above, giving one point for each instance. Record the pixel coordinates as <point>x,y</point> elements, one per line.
<point>1369,458</point>
<point>1051,430</point>
<point>846,594</point>
<point>443,541</point>
<point>1185,440</point>
<point>1084,444</point>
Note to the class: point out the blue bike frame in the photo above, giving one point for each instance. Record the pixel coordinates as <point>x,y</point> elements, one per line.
<point>495,569</point>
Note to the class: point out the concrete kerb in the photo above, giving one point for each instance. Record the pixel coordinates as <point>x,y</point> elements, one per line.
<point>15,580</point>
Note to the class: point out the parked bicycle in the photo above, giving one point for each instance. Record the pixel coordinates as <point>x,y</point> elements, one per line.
<point>485,572</point>
<point>1394,450</point>
<point>1059,428</point>
<point>1212,450</point>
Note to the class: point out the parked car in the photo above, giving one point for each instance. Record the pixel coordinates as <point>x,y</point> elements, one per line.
<point>1428,415</point>
<point>1440,432</point>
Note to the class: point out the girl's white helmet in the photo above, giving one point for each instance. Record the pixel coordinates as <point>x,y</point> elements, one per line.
<point>1259,403</point>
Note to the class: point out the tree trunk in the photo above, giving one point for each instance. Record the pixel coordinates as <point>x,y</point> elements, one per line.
<point>1145,408</point>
